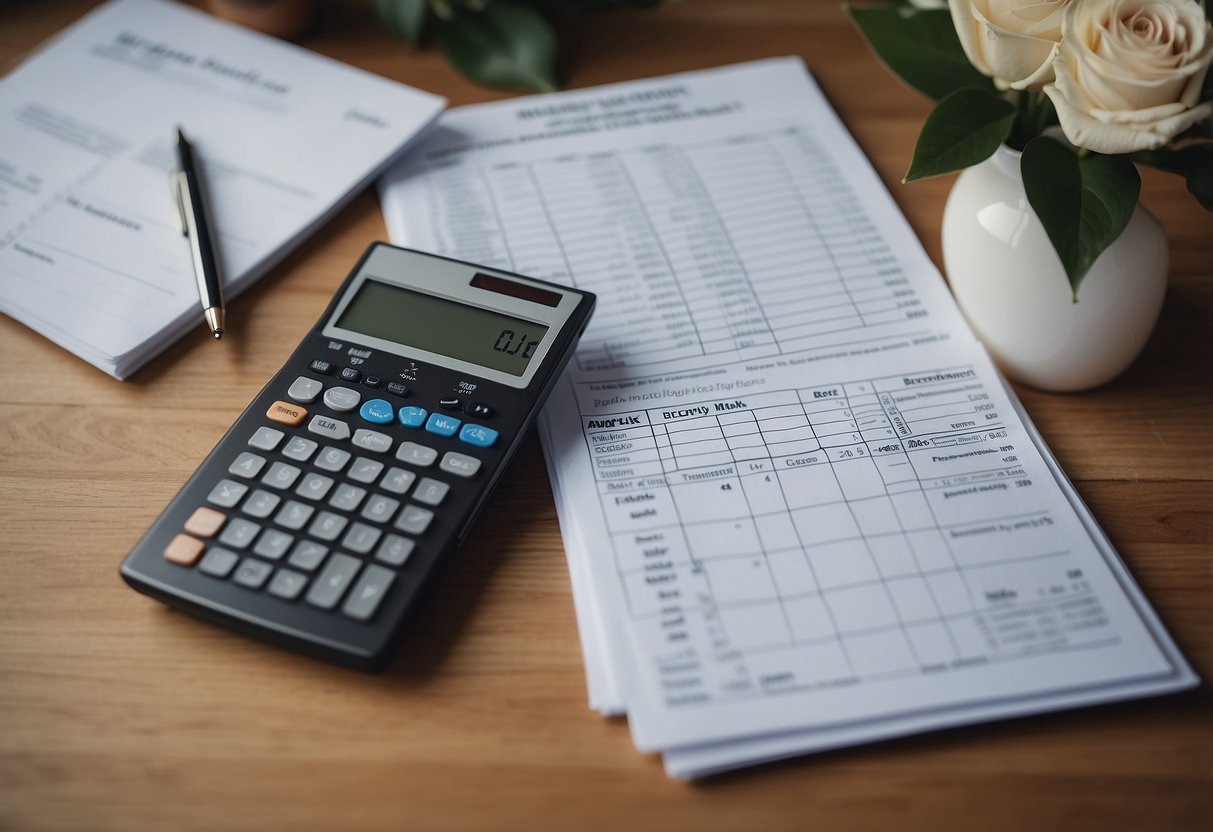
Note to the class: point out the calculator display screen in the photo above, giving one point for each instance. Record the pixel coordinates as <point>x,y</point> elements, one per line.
<point>468,333</point>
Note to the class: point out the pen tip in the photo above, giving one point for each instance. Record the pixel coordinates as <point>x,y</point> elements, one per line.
<point>180,135</point>
<point>218,334</point>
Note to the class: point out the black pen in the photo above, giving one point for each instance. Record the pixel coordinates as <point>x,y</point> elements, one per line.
<point>187,188</point>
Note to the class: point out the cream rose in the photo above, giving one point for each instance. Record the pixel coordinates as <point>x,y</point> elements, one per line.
<point>1014,41</point>
<point>1129,72</point>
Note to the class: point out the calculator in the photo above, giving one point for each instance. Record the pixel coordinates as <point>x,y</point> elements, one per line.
<point>321,515</point>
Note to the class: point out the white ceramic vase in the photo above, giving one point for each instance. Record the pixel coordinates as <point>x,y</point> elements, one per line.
<point>1011,286</point>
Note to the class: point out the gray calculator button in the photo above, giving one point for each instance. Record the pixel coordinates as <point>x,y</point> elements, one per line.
<point>397,480</point>
<point>287,584</point>
<point>239,533</point>
<point>365,470</point>
<point>261,504</point>
<point>379,509</point>
<point>226,493</point>
<point>314,486</point>
<point>415,454</point>
<point>361,538</point>
<point>281,475</point>
<point>307,555</point>
<point>461,465</point>
<point>247,465</point>
<point>341,399</point>
<point>332,428</point>
<point>414,519</point>
<point>368,592</point>
<point>332,459</point>
<point>331,584</point>
<point>266,439</point>
<point>372,440</point>
<point>431,492</point>
<point>304,390</point>
<point>347,497</point>
<point>218,562</point>
<point>395,550</point>
<point>299,449</point>
<point>252,573</point>
<point>294,514</point>
<point>327,526</point>
<point>273,544</point>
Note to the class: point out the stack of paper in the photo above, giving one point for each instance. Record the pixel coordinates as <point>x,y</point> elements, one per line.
<point>91,255</point>
<point>801,509</point>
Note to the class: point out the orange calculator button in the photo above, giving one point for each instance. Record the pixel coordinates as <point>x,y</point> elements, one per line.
<point>286,413</point>
<point>204,522</point>
<point>184,550</point>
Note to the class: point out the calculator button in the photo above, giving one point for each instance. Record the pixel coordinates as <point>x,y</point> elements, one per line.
<point>314,486</point>
<point>368,592</point>
<point>397,389</point>
<point>226,493</point>
<point>287,584</point>
<point>218,562</point>
<point>304,390</point>
<point>441,425</point>
<point>461,465</point>
<point>395,550</point>
<point>412,417</point>
<point>333,581</point>
<point>350,374</point>
<point>379,411</point>
<point>273,544</point>
<point>431,492</point>
<point>397,480</point>
<point>342,399</point>
<point>266,439</point>
<point>332,459</point>
<point>184,550</point>
<point>479,409</point>
<point>307,555</point>
<point>478,436</point>
<point>281,476</point>
<point>415,454</point>
<point>361,538</point>
<point>286,413</point>
<point>347,497</point>
<point>239,533</point>
<point>247,465</point>
<point>365,470</point>
<point>373,381</point>
<point>379,509</point>
<point>252,573</point>
<point>261,504</point>
<point>450,404</point>
<point>372,440</point>
<point>205,522</point>
<point>293,515</point>
<point>332,428</point>
<point>327,526</point>
<point>414,519</point>
<point>299,449</point>
<point>321,367</point>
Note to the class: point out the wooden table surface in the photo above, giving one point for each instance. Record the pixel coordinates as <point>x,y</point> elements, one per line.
<point>116,713</point>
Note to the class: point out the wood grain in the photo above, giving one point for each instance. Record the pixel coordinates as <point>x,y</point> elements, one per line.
<point>116,713</point>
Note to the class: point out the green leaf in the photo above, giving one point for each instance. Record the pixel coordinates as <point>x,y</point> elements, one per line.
<point>504,45</point>
<point>919,46</point>
<point>1084,202</point>
<point>404,18</point>
<point>1193,162</point>
<point>965,128</point>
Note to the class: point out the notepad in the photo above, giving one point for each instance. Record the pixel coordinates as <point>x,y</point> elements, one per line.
<point>801,509</point>
<point>91,255</point>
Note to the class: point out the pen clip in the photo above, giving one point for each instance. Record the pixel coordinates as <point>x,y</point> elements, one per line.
<point>177,185</point>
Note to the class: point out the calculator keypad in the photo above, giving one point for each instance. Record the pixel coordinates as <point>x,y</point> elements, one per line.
<point>322,517</point>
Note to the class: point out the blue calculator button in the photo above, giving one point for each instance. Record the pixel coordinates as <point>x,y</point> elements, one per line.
<point>442,425</point>
<point>413,417</point>
<point>378,411</point>
<point>478,435</point>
